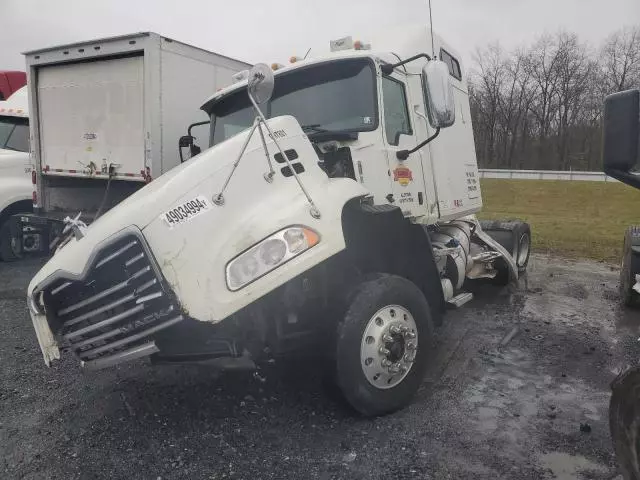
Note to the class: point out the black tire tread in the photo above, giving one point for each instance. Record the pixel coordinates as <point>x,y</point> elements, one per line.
<point>624,421</point>
<point>366,298</point>
<point>6,251</point>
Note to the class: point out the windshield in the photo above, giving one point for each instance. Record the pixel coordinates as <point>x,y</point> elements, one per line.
<point>14,133</point>
<point>337,96</point>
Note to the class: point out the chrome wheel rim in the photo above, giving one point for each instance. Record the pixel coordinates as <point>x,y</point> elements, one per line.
<point>389,346</point>
<point>524,244</point>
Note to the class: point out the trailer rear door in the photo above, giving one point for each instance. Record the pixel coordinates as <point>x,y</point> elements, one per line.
<point>91,116</point>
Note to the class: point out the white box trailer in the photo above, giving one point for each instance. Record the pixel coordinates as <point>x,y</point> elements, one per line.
<point>107,116</point>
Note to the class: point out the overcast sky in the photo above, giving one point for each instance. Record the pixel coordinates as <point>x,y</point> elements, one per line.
<point>268,31</point>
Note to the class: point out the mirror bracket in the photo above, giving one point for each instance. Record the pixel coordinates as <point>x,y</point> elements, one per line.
<point>388,68</point>
<point>404,154</point>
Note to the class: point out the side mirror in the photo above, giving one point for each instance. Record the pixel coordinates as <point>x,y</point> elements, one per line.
<point>260,83</point>
<point>621,136</point>
<point>438,92</point>
<point>187,141</point>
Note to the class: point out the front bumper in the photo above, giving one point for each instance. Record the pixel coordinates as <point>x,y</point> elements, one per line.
<point>109,313</point>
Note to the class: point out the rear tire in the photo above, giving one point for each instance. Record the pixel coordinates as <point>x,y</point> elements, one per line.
<point>630,267</point>
<point>8,253</point>
<point>624,421</point>
<point>392,306</point>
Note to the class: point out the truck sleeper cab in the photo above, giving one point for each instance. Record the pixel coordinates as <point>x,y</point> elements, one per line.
<point>337,225</point>
<point>15,168</point>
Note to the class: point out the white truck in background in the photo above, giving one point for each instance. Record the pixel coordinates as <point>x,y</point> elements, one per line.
<point>15,167</point>
<point>333,209</point>
<point>107,116</point>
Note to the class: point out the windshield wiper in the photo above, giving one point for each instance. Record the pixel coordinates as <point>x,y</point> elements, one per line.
<point>318,133</point>
<point>314,128</point>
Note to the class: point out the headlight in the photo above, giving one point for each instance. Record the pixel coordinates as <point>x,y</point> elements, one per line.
<point>269,254</point>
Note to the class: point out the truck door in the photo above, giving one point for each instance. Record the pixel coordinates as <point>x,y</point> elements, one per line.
<point>406,175</point>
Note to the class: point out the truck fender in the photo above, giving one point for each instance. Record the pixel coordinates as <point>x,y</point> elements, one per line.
<point>380,240</point>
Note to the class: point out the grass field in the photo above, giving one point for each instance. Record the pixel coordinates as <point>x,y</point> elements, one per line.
<point>572,219</point>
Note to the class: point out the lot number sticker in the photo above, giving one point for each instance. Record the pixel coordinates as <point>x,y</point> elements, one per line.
<point>186,211</point>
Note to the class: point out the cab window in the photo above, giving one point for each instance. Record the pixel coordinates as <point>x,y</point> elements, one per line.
<point>396,113</point>
<point>452,63</point>
<point>14,133</point>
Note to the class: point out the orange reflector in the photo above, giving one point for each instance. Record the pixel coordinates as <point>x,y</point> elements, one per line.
<point>312,237</point>
<point>293,59</point>
<point>357,44</point>
<point>274,66</point>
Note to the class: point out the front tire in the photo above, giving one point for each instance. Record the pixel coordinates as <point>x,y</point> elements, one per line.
<point>7,251</point>
<point>383,345</point>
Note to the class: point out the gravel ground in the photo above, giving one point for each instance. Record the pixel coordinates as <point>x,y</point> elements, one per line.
<point>491,407</point>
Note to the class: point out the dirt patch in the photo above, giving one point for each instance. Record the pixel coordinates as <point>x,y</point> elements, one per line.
<point>489,408</point>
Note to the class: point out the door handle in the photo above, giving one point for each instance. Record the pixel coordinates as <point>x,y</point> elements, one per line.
<point>416,109</point>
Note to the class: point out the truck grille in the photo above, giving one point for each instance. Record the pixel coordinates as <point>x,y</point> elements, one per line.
<point>111,314</point>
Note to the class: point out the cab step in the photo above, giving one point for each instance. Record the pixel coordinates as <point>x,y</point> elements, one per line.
<point>460,299</point>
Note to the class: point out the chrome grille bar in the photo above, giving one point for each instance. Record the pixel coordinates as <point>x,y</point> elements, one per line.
<point>104,323</point>
<point>130,339</point>
<point>104,308</point>
<point>116,254</point>
<point>104,293</point>
<point>111,313</point>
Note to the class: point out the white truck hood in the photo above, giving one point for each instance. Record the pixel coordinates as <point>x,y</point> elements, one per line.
<point>252,207</point>
<point>146,204</point>
<point>192,255</point>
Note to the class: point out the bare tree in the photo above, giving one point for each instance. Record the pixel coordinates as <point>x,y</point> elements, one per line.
<point>540,106</point>
<point>620,59</point>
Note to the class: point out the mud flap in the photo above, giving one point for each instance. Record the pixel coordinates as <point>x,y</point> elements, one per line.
<point>493,244</point>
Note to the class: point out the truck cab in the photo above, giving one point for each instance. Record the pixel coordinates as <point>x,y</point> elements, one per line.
<point>332,212</point>
<point>359,117</point>
<point>15,167</point>
<point>10,82</point>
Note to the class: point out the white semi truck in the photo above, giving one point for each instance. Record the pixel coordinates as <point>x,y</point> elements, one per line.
<point>334,208</point>
<point>107,116</point>
<point>15,168</point>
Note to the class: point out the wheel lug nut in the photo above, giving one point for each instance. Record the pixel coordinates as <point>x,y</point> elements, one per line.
<point>409,335</point>
<point>386,338</point>
<point>411,346</point>
<point>395,330</point>
<point>383,351</point>
<point>386,363</point>
<point>408,358</point>
<point>404,329</point>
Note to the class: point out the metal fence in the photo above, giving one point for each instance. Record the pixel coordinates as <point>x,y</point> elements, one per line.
<point>545,175</point>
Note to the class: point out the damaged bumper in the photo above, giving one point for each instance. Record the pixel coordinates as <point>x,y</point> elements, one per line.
<point>48,344</point>
<point>111,312</point>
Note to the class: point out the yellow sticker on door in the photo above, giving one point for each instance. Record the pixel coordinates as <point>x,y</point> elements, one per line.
<point>403,175</point>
